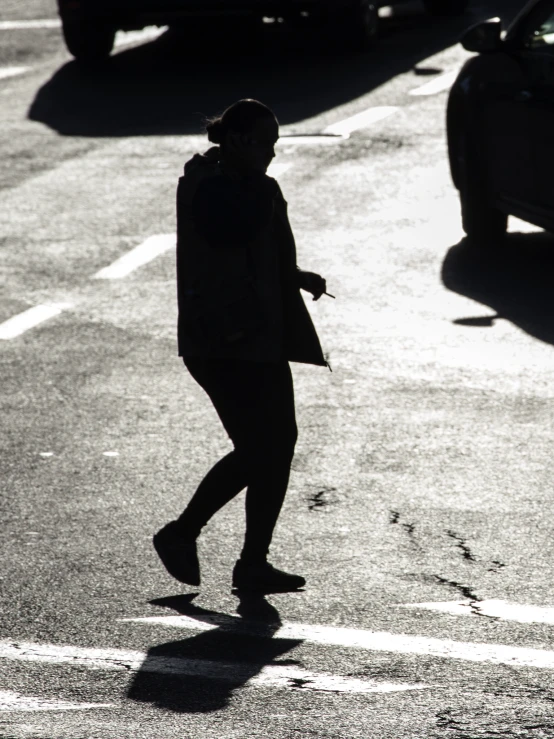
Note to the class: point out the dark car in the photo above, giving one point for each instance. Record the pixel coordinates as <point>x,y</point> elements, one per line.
<point>500,124</point>
<point>89,26</point>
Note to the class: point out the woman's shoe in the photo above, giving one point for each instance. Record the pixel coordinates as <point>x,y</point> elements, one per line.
<point>178,554</point>
<point>264,578</point>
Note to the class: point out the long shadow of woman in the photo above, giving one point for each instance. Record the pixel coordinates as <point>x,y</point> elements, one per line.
<point>201,673</point>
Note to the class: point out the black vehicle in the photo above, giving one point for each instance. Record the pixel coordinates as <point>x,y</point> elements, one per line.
<point>89,26</point>
<point>500,124</point>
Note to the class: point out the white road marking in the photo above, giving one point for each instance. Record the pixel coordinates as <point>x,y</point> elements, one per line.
<point>111,454</point>
<point>499,609</point>
<point>123,38</point>
<point>24,24</point>
<point>276,169</point>
<point>46,454</point>
<point>439,84</point>
<point>6,72</point>
<point>17,325</point>
<point>152,247</point>
<point>375,641</point>
<point>10,701</point>
<point>276,676</point>
<point>360,120</point>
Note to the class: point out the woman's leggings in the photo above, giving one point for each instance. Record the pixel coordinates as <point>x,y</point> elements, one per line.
<point>255,402</point>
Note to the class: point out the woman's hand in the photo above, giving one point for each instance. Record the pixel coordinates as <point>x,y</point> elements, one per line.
<point>312,283</point>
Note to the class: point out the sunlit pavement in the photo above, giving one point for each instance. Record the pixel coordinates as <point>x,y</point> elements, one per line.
<point>419,506</point>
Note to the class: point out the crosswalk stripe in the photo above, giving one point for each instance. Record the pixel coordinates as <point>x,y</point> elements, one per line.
<point>12,701</point>
<point>499,609</point>
<point>276,676</point>
<point>152,247</point>
<point>439,84</point>
<point>360,120</point>
<point>373,641</point>
<point>17,325</point>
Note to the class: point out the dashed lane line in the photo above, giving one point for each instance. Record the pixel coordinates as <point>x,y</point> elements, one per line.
<point>123,38</point>
<point>496,609</point>
<point>19,324</point>
<point>439,84</point>
<point>256,675</point>
<point>23,25</point>
<point>6,72</point>
<point>374,641</point>
<point>12,701</point>
<point>276,169</point>
<point>152,247</point>
<point>360,120</point>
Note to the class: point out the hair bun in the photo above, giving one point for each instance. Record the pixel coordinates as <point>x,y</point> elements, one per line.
<point>214,129</point>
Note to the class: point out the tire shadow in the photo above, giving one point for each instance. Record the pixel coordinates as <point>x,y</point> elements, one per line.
<point>167,86</point>
<point>514,279</point>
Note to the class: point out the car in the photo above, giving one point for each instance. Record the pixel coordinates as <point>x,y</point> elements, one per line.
<point>89,26</point>
<point>500,122</point>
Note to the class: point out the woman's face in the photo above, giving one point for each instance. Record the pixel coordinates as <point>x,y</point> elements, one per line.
<point>254,150</point>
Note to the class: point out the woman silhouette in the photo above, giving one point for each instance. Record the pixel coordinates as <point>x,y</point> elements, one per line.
<point>241,320</point>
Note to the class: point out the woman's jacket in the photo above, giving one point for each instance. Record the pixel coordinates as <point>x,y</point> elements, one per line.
<point>237,280</point>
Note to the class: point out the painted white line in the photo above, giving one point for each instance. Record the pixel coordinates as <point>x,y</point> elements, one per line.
<point>152,247</point>
<point>276,169</point>
<point>275,676</point>
<point>23,25</point>
<point>439,84</point>
<point>6,72</point>
<point>10,701</point>
<point>123,38</point>
<point>500,609</point>
<point>360,120</point>
<point>17,325</point>
<point>375,641</point>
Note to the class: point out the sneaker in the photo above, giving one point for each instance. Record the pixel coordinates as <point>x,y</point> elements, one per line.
<point>264,578</point>
<point>178,554</point>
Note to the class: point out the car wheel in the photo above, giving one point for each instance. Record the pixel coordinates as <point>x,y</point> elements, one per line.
<point>359,26</point>
<point>483,224</point>
<point>88,41</point>
<point>445,7</point>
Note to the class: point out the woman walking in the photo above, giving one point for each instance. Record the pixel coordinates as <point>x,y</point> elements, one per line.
<point>241,320</point>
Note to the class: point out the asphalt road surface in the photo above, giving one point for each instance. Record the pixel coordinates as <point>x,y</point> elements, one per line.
<point>420,505</point>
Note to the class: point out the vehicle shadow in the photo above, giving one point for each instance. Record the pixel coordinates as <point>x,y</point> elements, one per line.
<point>515,280</point>
<point>200,674</point>
<point>169,85</point>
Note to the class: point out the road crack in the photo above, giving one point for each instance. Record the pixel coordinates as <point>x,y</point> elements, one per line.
<point>318,500</point>
<point>461,544</point>
<point>409,528</point>
<point>467,593</point>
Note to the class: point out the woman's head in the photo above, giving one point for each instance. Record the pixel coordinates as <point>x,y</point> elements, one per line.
<point>247,132</point>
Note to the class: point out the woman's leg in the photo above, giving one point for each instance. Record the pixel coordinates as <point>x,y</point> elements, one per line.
<point>228,476</point>
<point>223,482</point>
<point>269,448</point>
<point>255,402</point>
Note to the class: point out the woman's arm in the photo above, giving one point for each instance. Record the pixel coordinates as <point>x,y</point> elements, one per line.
<point>312,283</point>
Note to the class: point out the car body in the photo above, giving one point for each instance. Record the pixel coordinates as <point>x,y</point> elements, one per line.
<point>89,26</point>
<point>500,123</point>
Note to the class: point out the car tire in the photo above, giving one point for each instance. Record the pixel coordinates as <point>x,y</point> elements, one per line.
<point>88,41</point>
<point>358,26</point>
<point>445,7</point>
<point>484,225</point>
